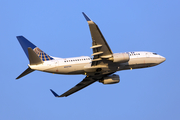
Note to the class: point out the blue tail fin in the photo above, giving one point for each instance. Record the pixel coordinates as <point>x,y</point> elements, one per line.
<point>25,44</point>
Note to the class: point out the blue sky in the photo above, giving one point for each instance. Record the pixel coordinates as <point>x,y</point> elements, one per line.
<point>59,29</point>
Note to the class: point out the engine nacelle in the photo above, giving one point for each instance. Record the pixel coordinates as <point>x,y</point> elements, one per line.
<point>111,79</point>
<point>121,57</point>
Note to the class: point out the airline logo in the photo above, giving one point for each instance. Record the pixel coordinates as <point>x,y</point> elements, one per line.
<point>41,54</point>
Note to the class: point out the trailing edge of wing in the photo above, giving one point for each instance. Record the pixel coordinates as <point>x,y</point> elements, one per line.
<point>84,83</point>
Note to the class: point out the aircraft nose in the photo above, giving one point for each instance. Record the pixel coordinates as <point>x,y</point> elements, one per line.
<point>162,59</point>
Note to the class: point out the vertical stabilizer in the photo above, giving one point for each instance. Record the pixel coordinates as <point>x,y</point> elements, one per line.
<point>34,54</point>
<point>25,44</point>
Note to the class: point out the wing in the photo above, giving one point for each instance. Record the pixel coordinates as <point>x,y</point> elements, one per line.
<point>101,53</point>
<point>84,83</point>
<point>101,50</point>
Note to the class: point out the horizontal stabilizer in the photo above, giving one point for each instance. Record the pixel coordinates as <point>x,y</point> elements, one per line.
<point>33,58</point>
<point>27,71</point>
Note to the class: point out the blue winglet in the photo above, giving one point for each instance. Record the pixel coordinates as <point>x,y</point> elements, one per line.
<point>86,17</point>
<point>55,94</point>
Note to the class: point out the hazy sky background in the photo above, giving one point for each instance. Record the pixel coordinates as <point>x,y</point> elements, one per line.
<point>59,29</point>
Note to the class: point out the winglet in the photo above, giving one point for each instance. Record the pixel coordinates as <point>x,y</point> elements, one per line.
<point>55,94</point>
<point>86,17</point>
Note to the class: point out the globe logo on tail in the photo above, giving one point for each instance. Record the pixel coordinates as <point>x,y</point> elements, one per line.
<point>42,55</point>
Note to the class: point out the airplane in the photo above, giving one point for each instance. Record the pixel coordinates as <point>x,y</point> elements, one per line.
<point>101,67</point>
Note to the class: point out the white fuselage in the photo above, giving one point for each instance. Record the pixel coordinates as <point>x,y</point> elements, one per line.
<point>82,65</point>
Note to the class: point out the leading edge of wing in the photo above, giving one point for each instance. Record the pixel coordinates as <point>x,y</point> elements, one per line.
<point>84,83</point>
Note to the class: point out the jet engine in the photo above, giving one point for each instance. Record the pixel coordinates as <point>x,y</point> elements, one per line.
<point>120,57</point>
<point>111,79</point>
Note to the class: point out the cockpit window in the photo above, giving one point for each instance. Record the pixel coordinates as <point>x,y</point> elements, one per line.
<point>155,53</point>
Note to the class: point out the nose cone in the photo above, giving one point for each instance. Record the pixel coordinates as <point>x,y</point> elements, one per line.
<point>162,59</point>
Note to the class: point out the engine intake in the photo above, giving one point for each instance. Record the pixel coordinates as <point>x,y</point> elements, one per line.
<point>111,79</point>
<point>121,57</point>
